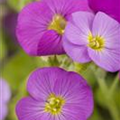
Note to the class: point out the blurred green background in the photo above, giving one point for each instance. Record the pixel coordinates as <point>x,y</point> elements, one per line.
<point>16,65</point>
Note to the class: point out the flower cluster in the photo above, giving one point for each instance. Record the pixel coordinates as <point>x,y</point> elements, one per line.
<point>54,27</point>
<point>57,27</point>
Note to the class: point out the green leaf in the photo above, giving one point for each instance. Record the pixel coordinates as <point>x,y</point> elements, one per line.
<point>81,68</point>
<point>2,46</point>
<point>18,68</point>
<point>117,98</point>
<point>86,71</point>
<point>96,115</point>
<point>17,5</point>
<point>114,86</point>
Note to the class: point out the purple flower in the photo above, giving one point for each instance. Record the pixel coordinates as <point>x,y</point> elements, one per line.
<point>97,38</point>
<point>110,7</point>
<point>41,25</point>
<point>56,94</point>
<point>5,95</point>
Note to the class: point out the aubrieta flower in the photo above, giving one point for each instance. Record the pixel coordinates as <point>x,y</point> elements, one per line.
<point>56,94</point>
<point>96,38</point>
<point>41,25</point>
<point>5,95</point>
<point>110,7</point>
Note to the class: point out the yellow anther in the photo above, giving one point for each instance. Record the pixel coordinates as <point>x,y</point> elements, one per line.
<point>54,104</point>
<point>96,42</point>
<point>58,24</point>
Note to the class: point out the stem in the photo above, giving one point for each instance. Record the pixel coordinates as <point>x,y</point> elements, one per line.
<point>114,84</point>
<point>109,99</point>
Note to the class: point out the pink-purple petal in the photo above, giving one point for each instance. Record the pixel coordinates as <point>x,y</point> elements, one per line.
<point>109,29</point>
<point>32,24</point>
<point>73,113</point>
<point>3,110</point>
<point>84,21</point>
<point>78,53</point>
<point>108,59</point>
<point>5,93</point>
<point>30,109</point>
<point>79,97</point>
<point>66,8</point>
<point>50,43</point>
<point>41,83</point>
<point>79,27</point>
<point>76,36</point>
<point>110,7</point>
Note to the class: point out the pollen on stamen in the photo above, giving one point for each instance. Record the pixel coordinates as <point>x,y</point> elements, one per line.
<point>54,104</point>
<point>96,42</point>
<point>58,24</point>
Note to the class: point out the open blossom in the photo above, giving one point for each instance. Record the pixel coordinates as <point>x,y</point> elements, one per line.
<point>96,38</point>
<point>41,25</point>
<point>56,94</point>
<point>5,95</point>
<point>110,7</point>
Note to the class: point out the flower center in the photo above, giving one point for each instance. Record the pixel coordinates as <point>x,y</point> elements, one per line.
<point>58,24</point>
<point>54,104</point>
<point>96,43</point>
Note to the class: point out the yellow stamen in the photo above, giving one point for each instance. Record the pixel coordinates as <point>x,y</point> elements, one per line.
<point>54,104</point>
<point>97,42</point>
<point>58,24</point>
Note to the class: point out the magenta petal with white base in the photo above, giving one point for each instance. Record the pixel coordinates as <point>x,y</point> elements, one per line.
<point>78,53</point>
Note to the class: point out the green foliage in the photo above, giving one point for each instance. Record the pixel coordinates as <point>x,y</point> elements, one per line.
<point>2,46</point>
<point>17,68</point>
<point>17,5</point>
